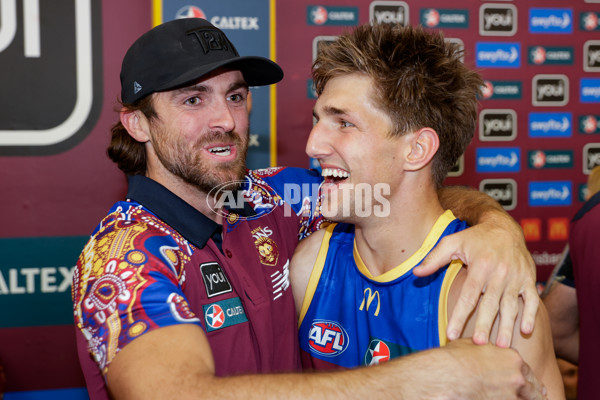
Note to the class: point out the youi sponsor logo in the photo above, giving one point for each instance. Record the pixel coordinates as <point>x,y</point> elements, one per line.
<point>497,20</point>
<point>550,20</point>
<point>389,12</point>
<point>591,157</point>
<point>591,56</point>
<point>497,125</point>
<point>498,159</point>
<point>550,90</point>
<point>498,55</point>
<point>552,193</point>
<point>504,191</point>
<point>550,125</point>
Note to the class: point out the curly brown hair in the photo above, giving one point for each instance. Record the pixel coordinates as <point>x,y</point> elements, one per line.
<point>419,80</point>
<point>124,150</point>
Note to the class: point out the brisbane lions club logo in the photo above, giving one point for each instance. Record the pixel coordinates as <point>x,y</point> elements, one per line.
<point>267,248</point>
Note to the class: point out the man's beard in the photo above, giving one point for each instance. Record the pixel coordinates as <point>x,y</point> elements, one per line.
<point>189,164</point>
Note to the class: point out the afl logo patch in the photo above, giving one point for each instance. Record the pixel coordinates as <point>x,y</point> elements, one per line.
<point>327,338</point>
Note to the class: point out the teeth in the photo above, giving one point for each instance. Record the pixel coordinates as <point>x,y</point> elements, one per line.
<point>336,173</point>
<point>223,151</point>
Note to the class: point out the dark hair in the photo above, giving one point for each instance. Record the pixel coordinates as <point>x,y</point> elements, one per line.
<point>124,150</point>
<point>420,81</point>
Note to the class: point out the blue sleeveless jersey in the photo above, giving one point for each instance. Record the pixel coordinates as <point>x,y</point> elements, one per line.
<point>351,318</point>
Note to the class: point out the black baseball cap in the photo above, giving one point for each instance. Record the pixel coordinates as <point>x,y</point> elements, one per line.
<point>182,51</point>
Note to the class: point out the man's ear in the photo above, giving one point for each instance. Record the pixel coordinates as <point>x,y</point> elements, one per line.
<point>136,124</point>
<point>424,143</point>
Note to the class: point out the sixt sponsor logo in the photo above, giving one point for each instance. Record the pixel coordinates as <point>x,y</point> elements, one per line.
<point>589,90</point>
<point>500,159</point>
<point>550,90</point>
<point>498,55</point>
<point>444,18</point>
<point>327,338</point>
<point>502,90</point>
<point>588,21</point>
<point>588,124</point>
<point>497,20</point>
<point>550,20</point>
<point>389,12</point>
<point>550,55</point>
<point>547,125</point>
<point>497,125</point>
<point>552,193</point>
<point>341,16</point>
<point>540,159</point>
<point>591,157</point>
<point>591,56</point>
<point>504,191</point>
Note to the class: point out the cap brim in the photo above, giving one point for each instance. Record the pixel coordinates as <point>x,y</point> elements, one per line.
<point>257,71</point>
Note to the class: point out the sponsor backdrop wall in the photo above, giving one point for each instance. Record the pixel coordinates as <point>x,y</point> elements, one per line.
<point>537,139</point>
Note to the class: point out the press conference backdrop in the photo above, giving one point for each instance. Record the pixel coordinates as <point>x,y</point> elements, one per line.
<point>537,136</point>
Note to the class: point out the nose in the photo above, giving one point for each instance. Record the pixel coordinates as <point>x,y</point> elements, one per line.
<point>221,117</point>
<point>316,145</point>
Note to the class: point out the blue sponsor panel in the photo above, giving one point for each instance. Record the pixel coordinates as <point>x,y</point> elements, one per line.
<point>550,20</point>
<point>498,55</point>
<point>498,159</point>
<point>589,90</point>
<point>56,394</point>
<point>550,125</point>
<point>552,193</point>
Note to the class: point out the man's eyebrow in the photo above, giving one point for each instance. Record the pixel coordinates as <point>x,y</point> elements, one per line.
<point>199,87</point>
<point>330,110</point>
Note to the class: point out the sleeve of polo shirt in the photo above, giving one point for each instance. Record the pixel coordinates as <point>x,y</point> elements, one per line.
<point>127,283</point>
<point>300,189</point>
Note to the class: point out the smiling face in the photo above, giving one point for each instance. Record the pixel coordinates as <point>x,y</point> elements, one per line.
<point>201,133</point>
<point>351,141</point>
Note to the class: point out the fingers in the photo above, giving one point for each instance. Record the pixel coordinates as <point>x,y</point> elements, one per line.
<point>531,300</point>
<point>439,257</point>
<point>533,389</point>
<point>509,308</point>
<point>466,303</point>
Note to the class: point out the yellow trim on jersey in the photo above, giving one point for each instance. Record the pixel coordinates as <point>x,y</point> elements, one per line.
<point>157,12</point>
<point>317,270</point>
<point>434,234</point>
<point>453,270</point>
<point>272,88</point>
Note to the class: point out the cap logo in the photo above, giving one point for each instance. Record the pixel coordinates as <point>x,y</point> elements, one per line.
<point>136,87</point>
<point>211,39</point>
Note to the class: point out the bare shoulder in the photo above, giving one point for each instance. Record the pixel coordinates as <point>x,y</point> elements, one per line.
<point>302,264</point>
<point>536,349</point>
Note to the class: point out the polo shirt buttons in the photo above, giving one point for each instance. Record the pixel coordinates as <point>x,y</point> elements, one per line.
<point>228,253</point>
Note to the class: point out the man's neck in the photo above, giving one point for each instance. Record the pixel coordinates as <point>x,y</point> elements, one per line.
<point>386,242</point>
<point>188,193</point>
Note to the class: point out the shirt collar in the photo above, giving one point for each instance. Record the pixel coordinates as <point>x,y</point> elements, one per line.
<point>189,222</point>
